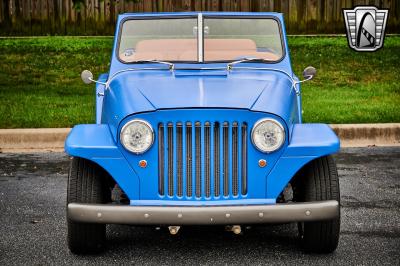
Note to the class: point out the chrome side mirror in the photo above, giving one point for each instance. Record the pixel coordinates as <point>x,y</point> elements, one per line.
<point>87,76</point>
<point>309,72</point>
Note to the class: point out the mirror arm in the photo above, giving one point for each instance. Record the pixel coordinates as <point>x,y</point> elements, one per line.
<point>304,80</point>
<point>295,82</point>
<point>98,82</point>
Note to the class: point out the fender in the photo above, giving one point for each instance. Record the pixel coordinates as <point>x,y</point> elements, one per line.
<point>94,142</point>
<point>308,142</point>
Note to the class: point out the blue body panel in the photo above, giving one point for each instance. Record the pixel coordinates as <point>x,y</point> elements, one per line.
<point>95,143</point>
<point>143,91</point>
<point>309,141</point>
<point>161,96</point>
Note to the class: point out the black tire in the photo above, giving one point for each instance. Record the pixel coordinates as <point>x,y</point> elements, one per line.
<point>86,185</point>
<point>319,181</point>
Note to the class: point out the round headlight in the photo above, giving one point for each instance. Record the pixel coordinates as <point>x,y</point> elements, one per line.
<point>268,135</point>
<point>137,136</point>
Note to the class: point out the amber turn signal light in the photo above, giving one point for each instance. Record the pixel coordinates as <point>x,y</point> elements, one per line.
<point>262,163</point>
<point>143,163</point>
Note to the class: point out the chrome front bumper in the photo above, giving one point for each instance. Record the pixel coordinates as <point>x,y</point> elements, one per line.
<point>203,215</point>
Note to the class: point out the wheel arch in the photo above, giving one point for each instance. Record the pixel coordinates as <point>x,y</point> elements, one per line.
<point>105,174</point>
<point>309,142</point>
<point>94,142</point>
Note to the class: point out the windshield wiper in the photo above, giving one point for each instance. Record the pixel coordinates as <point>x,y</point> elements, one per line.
<point>230,65</point>
<point>170,65</point>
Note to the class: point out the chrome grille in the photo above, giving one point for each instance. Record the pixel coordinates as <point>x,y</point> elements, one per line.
<point>202,159</point>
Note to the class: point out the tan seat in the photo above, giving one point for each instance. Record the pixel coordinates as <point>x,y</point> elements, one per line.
<point>230,55</point>
<point>229,44</point>
<point>166,45</point>
<point>186,50</point>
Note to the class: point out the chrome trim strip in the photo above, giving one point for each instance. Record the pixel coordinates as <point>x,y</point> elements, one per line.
<point>203,215</point>
<point>200,42</point>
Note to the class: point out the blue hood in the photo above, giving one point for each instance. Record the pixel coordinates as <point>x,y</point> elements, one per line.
<point>144,91</point>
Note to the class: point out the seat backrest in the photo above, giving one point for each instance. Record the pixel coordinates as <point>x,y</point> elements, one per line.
<point>186,50</point>
<point>229,45</point>
<point>166,45</point>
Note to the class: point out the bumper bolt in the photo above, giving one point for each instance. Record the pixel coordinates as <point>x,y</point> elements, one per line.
<point>236,229</point>
<point>173,230</point>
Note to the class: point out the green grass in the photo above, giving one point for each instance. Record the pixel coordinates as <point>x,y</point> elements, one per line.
<point>40,84</point>
<point>350,87</point>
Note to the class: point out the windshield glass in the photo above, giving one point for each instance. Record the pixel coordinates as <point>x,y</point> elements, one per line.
<point>159,39</point>
<point>230,39</point>
<point>176,39</point>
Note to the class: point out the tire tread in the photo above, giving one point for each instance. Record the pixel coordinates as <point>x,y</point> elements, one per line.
<point>85,186</point>
<point>318,182</point>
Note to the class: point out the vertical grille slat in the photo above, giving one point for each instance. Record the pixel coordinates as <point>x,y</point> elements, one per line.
<point>217,170</point>
<point>225,172</point>
<point>198,158</point>
<point>202,159</point>
<point>235,179</point>
<point>207,157</point>
<point>189,160</point>
<point>170,159</point>
<point>179,164</point>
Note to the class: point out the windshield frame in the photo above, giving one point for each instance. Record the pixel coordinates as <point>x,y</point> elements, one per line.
<point>201,17</point>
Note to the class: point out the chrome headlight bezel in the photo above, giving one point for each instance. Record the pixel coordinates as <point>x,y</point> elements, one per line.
<point>127,147</point>
<point>275,122</point>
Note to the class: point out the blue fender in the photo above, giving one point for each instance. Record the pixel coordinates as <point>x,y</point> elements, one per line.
<point>95,143</point>
<point>308,142</point>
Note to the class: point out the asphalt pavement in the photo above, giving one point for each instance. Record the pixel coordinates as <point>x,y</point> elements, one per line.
<point>33,228</point>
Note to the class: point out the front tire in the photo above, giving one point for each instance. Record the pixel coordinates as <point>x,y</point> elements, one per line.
<point>319,181</point>
<point>86,185</point>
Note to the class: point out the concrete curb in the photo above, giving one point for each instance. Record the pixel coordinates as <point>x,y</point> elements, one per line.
<point>52,139</point>
<point>33,139</point>
<point>363,135</point>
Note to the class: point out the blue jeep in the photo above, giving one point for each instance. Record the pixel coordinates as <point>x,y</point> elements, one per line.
<point>199,122</point>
